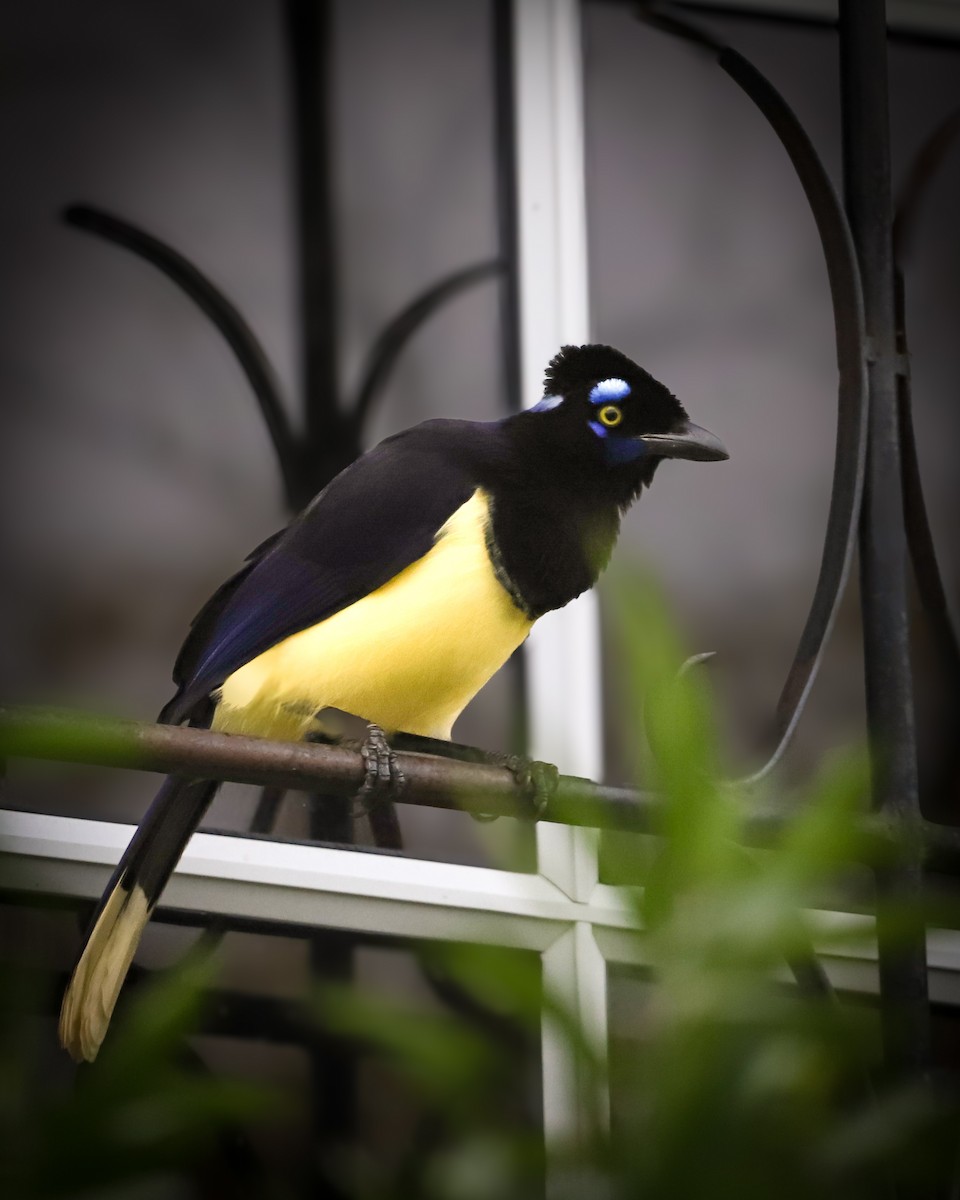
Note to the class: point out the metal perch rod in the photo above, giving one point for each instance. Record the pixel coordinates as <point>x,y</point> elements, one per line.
<point>67,736</point>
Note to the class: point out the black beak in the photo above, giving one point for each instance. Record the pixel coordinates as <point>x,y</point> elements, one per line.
<point>689,441</point>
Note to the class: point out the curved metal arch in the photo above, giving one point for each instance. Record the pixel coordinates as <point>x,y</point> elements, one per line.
<point>393,338</point>
<point>851,342</point>
<point>290,448</point>
<point>225,316</point>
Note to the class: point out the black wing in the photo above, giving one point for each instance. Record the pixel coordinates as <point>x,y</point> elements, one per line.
<point>374,519</point>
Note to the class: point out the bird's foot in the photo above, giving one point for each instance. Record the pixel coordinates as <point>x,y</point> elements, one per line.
<point>383,779</point>
<point>536,780</point>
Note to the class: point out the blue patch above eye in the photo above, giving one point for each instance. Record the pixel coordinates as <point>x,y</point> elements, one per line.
<point>609,389</point>
<point>546,404</point>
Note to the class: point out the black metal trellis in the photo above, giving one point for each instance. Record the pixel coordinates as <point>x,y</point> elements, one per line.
<point>876,478</point>
<point>840,255</point>
<point>866,157</point>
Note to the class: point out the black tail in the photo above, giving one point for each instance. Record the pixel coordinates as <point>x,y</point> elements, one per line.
<point>129,899</point>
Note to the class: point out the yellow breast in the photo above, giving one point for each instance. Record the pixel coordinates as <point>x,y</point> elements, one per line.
<point>409,656</point>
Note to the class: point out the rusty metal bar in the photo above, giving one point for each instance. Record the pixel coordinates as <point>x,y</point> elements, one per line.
<point>889,685</point>
<point>65,736</point>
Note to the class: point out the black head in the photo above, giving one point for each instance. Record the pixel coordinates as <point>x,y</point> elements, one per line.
<point>610,413</point>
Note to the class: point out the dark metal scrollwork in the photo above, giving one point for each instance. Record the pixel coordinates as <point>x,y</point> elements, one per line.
<point>844,278</point>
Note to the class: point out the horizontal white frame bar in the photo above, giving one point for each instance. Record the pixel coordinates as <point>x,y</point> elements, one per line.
<point>850,968</point>
<point>320,887</point>
<point>313,886</point>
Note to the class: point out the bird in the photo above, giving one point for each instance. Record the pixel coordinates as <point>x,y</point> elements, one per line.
<point>401,588</point>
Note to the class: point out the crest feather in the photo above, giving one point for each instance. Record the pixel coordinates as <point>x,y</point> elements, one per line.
<point>573,365</point>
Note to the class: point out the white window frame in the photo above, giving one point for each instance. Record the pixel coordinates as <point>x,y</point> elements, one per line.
<point>579,926</point>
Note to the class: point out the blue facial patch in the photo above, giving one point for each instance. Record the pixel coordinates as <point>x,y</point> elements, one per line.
<point>546,404</point>
<point>609,389</point>
<point>618,450</point>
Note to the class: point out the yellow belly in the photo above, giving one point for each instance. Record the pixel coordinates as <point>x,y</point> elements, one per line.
<point>409,656</point>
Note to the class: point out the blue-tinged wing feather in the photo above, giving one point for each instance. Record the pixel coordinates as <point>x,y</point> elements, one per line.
<point>377,517</point>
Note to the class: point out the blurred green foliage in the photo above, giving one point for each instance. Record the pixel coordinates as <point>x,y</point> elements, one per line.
<point>729,1082</point>
<point>138,1121</point>
<point>733,1083</point>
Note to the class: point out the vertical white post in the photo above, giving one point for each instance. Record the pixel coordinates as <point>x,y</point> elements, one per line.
<point>563,691</point>
<point>575,1096</point>
<point>563,653</point>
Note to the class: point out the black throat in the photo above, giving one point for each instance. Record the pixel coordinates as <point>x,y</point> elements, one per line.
<point>554,516</point>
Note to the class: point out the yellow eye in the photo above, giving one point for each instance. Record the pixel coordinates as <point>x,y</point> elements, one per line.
<point>610,415</point>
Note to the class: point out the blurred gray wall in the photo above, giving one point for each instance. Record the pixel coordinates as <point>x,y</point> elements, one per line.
<point>137,472</point>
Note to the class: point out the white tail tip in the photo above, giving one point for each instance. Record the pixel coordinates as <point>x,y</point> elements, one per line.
<point>95,985</point>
